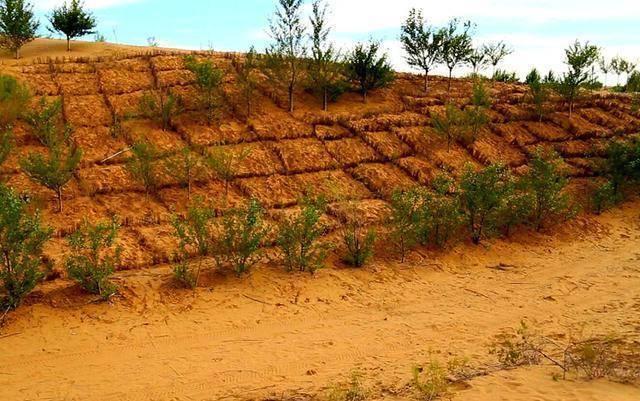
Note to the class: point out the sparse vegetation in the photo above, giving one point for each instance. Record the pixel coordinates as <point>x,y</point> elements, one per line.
<point>580,57</point>
<point>538,93</point>
<point>94,257</point>
<point>368,69</point>
<point>143,165</point>
<point>6,145</point>
<point>421,43</point>
<point>72,20</point>
<point>160,106</point>
<point>247,80</point>
<point>404,221</point>
<point>433,379</point>
<point>14,98</point>
<point>22,237</point>
<point>299,235</point>
<point>208,81</point>
<point>505,76</point>
<point>46,123</point>
<point>496,53</point>
<point>358,240</point>
<point>476,113</point>
<point>224,164</point>
<point>353,390</point>
<point>243,231</point>
<point>18,25</point>
<point>451,124</point>
<point>185,167</point>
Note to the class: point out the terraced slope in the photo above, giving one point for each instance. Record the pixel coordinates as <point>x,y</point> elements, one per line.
<point>355,153</point>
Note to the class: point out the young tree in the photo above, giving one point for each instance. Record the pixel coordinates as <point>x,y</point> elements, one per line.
<point>194,234</point>
<point>404,221</point>
<point>72,20</point>
<point>482,194</point>
<point>142,165</point>
<point>185,167</point>
<point>6,145</point>
<point>22,238</point>
<point>94,257</point>
<point>325,69</point>
<point>546,184</point>
<point>243,231</point>
<point>456,45</point>
<point>47,125</point>
<point>538,93</point>
<point>579,57</point>
<point>55,169</point>
<point>18,25</point>
<point>605,67</point>
<point>285,56</point>
<point>368,69</point>
<point>421,43</point>
<point>247,79</point>
<point>478,60</point>
<point>208,81</point>
<point>476,113</point>
<point>451,124</point>
<point>224,164</point>
<point>14,98</point>
<point>160,106</point>
<point>357,239</point>
<point>440,216</point>
<point>496,52</point>
<point>298,238</point>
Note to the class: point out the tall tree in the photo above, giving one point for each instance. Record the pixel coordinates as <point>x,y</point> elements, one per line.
<point>456,45</point>
<point>368,69</point>
<point>18,25</point>
<point>325,69</point>
<point>286,54</point>
<point>496,52</point>
<point>579,57</point>
<point>72,20</point>
<point>421,43</point>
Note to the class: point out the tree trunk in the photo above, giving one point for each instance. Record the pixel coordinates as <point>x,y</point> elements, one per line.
<point>450,74</point>
<point>426,81</point>
<point>17,53</point>
<point>59,196</point>
<point>290,98</point>
<point>68,44</point>
<point>364,96</point>
<point>325,100</point>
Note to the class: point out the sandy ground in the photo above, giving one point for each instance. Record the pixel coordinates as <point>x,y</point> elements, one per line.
<point>274,334</point>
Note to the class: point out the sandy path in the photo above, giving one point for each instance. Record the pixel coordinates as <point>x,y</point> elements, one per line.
<point>273,333</point>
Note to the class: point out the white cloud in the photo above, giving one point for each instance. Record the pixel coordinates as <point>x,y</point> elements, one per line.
<point>45,5</point>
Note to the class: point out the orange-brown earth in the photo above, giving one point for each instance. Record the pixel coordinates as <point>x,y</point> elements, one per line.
<point>273,333</point>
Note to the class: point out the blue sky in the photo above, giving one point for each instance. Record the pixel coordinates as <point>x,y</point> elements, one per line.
<point>538,30</point>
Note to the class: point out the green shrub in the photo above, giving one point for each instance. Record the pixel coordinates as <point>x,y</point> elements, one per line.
<point>433,379</point>
<point>14,98</point>
<point>622,165</point>
<point>298,237</point>
<point>46,123</point>
<point>224,164</point>
<point>368,68</point>
<point>504,76</point>
<point>633,82</point>
<point>476,113</point>
<point>451,125</point>
<point>516,207</point>
<point>359,243</point>
<point>546,183</point>
<point>352,390</point>
<point>604,196</point>
<point>208,82</point>
<point>243,231</point>
<point>22,238</point>
<point>538,93</point>
<point>94,257</point>
<point>194,233</point>
<point>482,195</point>
<point>440,216</point>
<point>6,144</point>
<point>55,169</point>
<point>142,165</point>
<point>161,107</point>
<point>185,167</point>
<point>404,221</point>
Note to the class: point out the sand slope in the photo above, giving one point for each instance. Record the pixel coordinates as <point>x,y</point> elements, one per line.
<point>275,334</point>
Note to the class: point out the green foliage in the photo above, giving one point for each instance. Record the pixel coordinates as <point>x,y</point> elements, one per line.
<point>456,45</point>
<point>284,57</point>
<point>580,58</point>
<point>476,113</point>
<point>143,165</point>
<point>6,145</point>
<point>546,184</point>
<point>94,257</point>
<point>46,123</point>
<point>72,20</point>
<point>99,38</point>
<point>18,25</point>
<point>505,76</point>
<point>440,216</point>
<point>22,238</point>
<point>432,380</point>
<point>55,169</point>
<point>368,69</point>
<point>451,125</point>
<point>243,231</point>
<point>208,81</point>
<point>482,195</point>
<point>633,82</point>
<point>193,232</point>
<point>160,107</point>
<point>358,241</point>
<point>224,164</point>
<point>298,237</point>
<point>247,79</point>
<point>421,43</point>
<point>538,93</point>
<point>516,207</point>
<point>404,221</point>
<point>326,72</point>
<point>622,165</point>
<point>519,349</point>
<point>478,60</point>
<point>14,98</point>
<point>352,390</point>
<point>496,52</point>
<point>185,167</point>
<point>604,196</point>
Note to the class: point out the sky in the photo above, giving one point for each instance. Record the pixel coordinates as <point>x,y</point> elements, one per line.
<point>537,30</point>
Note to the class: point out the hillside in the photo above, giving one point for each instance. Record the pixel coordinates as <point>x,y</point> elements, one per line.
<point>354,153</point>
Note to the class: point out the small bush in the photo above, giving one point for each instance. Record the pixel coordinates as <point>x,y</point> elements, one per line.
<point>14,98</point>
<point>518,349</point>
<point>161,107</point>
<point>404,221</point>
<point>142,165</point>
<point>633,82</point>
<point>22,238</point>
<point>208,82</point>
<point>433,380</point>
<point>6,144</point>
<point>224,164</point>
<point>349,391</point>
<point>299,235</point>
<point>359,244</point>
<point>451,125</point>
<point>242,233</point>
<point>604,197</point>
<point>94,257</point>
<point>504,76</point>
<point>194,234</point>
<point>185,167</point>
<point>440,216</point>
<point>46,123</point>
<point>476,113</point>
